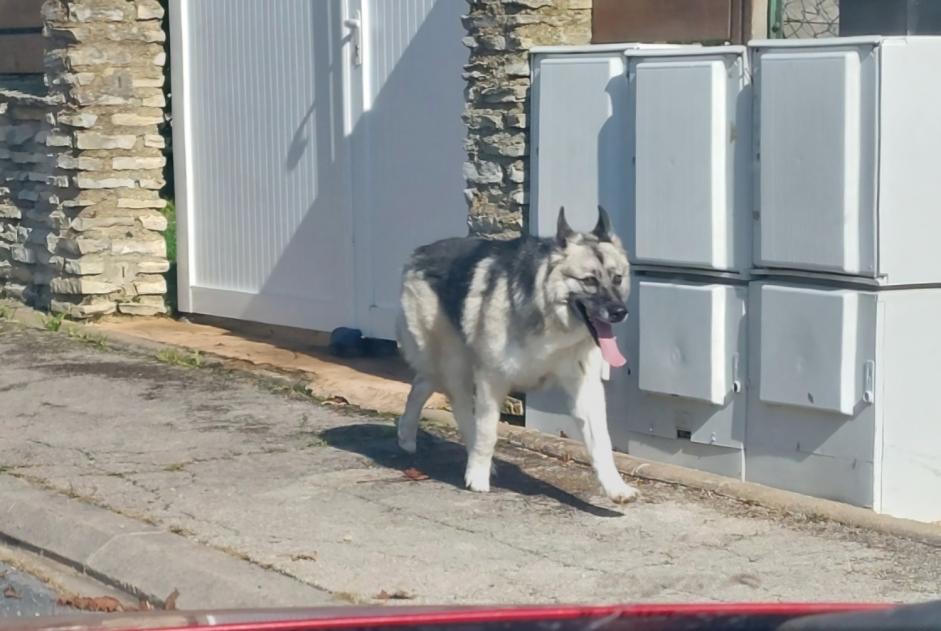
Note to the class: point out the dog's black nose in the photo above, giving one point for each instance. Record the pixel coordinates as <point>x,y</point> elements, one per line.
<point>617,313</point>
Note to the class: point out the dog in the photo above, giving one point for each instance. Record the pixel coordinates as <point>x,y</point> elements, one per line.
<point>482,318</point>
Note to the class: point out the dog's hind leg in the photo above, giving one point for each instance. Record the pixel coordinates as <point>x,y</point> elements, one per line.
<point>407,425</point>
<point>488,398</point>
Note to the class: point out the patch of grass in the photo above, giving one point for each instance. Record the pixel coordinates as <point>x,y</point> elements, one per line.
<point>317,440</point>
<point>54,322</point>
<point>6,312</point>
<point>93,339</point>
<point>176,466</point>
<point>192,359</point>
<point>181,531</point>
<point>169,212</point>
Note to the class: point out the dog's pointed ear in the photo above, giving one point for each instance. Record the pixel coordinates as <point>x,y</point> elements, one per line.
<point>603,227</point>
<point>563,232</point>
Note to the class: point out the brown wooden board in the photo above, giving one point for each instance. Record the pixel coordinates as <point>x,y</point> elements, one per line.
<point>20,14</point>
<point>676,21</point>
<point>21,54</point>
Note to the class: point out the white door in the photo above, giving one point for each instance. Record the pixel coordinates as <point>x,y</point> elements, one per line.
<point>691,142</point>
<point>262,161</point>
<point>816,157</point>
<point>405,103</point>
<point>318,142</point>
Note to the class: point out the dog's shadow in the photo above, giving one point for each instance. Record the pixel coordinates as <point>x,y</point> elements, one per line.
<point>443,460</point>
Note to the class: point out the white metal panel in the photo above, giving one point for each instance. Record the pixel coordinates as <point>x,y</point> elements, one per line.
<point>683,347</point>
<point>909,452</point>
<point>267,214</point>
<point>408,141</point>
<point>810,348</point>
<point>579,153</point>
<point>910,139</point>
<point>817,131</point>
<point>683,205</point>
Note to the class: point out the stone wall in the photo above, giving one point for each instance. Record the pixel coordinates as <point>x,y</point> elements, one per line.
<point>88,207</point>
<point>499,35</point>
<point>25,168</point>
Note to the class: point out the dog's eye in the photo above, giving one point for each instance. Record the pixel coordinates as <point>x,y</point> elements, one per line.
<point>617,279</point>
<point>590,281</point>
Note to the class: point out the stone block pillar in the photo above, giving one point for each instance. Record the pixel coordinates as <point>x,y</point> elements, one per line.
<point>499,35</point>
<point>104,70</point>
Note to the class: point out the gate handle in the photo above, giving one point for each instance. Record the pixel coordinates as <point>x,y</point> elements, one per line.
<point>355,24</point>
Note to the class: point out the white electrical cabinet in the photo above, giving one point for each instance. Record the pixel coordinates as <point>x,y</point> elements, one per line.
<point>681,397</point>
<point>847,142</point>
<point>841,403</point>
<point>780,206</point>
<point>691,133</point>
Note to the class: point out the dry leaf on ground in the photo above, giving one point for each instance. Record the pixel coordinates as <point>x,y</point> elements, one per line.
<point>100,604</point>
<point>415,475</point>
<point>9,592</point>
<point>169,603</point>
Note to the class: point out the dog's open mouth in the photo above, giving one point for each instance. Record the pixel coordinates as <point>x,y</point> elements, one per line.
<point>604,337</point>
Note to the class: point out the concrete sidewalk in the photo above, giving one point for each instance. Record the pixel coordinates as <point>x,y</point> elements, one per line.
<point>160,476</point>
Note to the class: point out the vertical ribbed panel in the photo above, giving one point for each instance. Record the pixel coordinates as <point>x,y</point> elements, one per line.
<point>269,205</point>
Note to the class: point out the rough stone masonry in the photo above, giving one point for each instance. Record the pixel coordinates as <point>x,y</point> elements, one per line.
<point>82,165</point>
<point>500,34</point>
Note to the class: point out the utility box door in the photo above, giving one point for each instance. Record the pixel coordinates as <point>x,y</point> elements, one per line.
<point>684,154</point>
<point>684,349</point>
<point>579,149</point>
<point>815,348</point>
<point>816,157</point>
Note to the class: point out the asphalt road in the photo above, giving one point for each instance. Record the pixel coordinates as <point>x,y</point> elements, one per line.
<point>24,596</point>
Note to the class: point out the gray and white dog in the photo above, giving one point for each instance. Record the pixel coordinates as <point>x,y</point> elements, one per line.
<point>481,318</point>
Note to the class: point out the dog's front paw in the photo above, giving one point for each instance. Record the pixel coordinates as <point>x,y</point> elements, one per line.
<point>621,493</point>
<point>477,478</point>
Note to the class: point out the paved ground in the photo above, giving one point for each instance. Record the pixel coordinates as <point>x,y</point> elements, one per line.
<point>318,494</point>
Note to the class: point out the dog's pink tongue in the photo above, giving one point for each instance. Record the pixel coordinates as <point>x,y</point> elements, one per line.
<point>609,344</point>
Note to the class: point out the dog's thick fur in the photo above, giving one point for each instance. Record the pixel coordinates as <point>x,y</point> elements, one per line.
<point>482,318</point>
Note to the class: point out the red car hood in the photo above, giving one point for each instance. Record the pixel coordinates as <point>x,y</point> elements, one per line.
<point>554,618</point>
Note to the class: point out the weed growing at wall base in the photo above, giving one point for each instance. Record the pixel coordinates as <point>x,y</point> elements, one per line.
<point>176,357</point>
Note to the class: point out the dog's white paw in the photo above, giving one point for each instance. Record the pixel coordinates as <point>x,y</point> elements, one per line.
<point>477,478</point>
<point>621,492</point>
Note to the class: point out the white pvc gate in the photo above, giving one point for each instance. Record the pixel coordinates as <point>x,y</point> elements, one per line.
<point>316,143</point>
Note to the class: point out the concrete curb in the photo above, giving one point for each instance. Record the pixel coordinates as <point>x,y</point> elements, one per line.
<point>567,449</point>
<point>139,558</point>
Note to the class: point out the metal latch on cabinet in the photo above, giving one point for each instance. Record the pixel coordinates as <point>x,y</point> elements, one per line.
<point>355,24</point>
<point>736,378</point>
<point>869,381</point>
